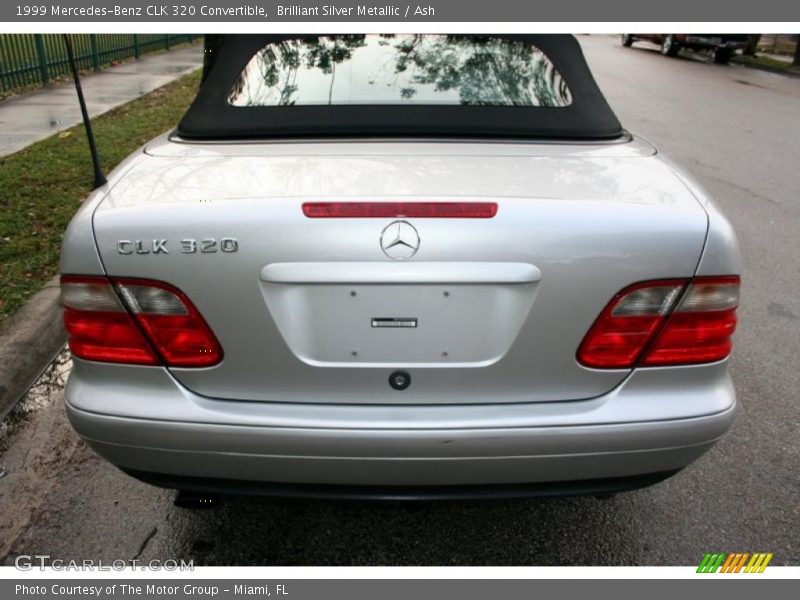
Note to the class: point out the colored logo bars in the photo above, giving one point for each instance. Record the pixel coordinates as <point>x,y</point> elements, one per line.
<point>735,562</point>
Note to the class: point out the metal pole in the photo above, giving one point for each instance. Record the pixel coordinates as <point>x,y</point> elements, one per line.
<point>99,178</point>
<point>40,54</point>
<point>95,54</point>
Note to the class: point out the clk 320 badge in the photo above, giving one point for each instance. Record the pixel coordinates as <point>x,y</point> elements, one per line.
<point>187,246</point>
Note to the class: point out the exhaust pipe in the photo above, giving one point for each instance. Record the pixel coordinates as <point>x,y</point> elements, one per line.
<point>196,500</point>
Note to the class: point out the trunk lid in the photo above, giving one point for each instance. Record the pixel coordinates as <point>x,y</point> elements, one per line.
<point>313,310</point>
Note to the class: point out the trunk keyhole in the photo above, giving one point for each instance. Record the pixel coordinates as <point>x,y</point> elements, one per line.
<point>399,380</point>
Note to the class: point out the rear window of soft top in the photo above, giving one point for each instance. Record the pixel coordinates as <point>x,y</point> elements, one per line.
<point>399,70</point>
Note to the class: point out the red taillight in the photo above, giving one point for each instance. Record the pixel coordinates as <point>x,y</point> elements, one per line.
<point>391,210</point>
<point>659,323</point>
<point>700,328</point>
<point>135,321</point>
<point>98,325</point>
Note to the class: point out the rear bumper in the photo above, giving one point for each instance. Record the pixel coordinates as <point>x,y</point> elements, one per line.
<point>202,486</point>
<point>399,457</point>
<point>169,432</point>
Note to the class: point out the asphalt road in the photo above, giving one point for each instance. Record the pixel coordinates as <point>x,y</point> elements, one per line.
<point>738,131</point>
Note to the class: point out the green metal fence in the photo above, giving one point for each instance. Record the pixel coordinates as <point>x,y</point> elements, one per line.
<point>34,59</point>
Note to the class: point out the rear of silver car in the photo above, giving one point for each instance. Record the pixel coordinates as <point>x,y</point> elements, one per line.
<point>401,318</point>
<point>400,266</point>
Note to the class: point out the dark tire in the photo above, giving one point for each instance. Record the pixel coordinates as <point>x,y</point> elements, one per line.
<point>722,56</point>
<point>669,47</point>
<point>627,40</point>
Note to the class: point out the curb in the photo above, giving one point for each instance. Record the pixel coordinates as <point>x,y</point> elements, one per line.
<point>29,340</point>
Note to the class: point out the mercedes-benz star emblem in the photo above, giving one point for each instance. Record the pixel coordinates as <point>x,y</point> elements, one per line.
<point>399,240</point>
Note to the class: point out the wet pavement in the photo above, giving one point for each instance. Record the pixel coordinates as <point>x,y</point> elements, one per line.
<point>737,131</point>
<point>32,117</point>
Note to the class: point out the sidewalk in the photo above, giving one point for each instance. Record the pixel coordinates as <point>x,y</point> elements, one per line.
<point>31,117</point>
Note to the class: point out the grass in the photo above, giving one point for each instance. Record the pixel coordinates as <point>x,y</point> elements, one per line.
<point>43,185</point>
<point>765,62</point>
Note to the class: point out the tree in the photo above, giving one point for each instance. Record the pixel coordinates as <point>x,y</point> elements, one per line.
<point>752,44</point>
<point>483,72</point>
<point>270,78</point>
<point>796,61</point>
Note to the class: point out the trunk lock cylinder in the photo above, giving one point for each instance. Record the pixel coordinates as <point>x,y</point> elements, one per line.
<point>399,380</point>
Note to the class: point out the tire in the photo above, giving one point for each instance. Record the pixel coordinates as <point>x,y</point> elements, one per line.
<point>722,56</point>
<point>627,40</point>
<point>669,47</point>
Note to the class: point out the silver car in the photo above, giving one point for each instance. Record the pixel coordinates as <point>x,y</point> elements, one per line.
<point>400,266</point>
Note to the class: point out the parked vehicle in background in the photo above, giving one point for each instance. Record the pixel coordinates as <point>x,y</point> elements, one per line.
<point>722,46</point>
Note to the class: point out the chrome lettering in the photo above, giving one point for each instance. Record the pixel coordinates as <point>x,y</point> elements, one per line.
<point>228,245</point>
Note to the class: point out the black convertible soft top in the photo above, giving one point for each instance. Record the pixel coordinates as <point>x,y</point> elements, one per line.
<point>587,116</point>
